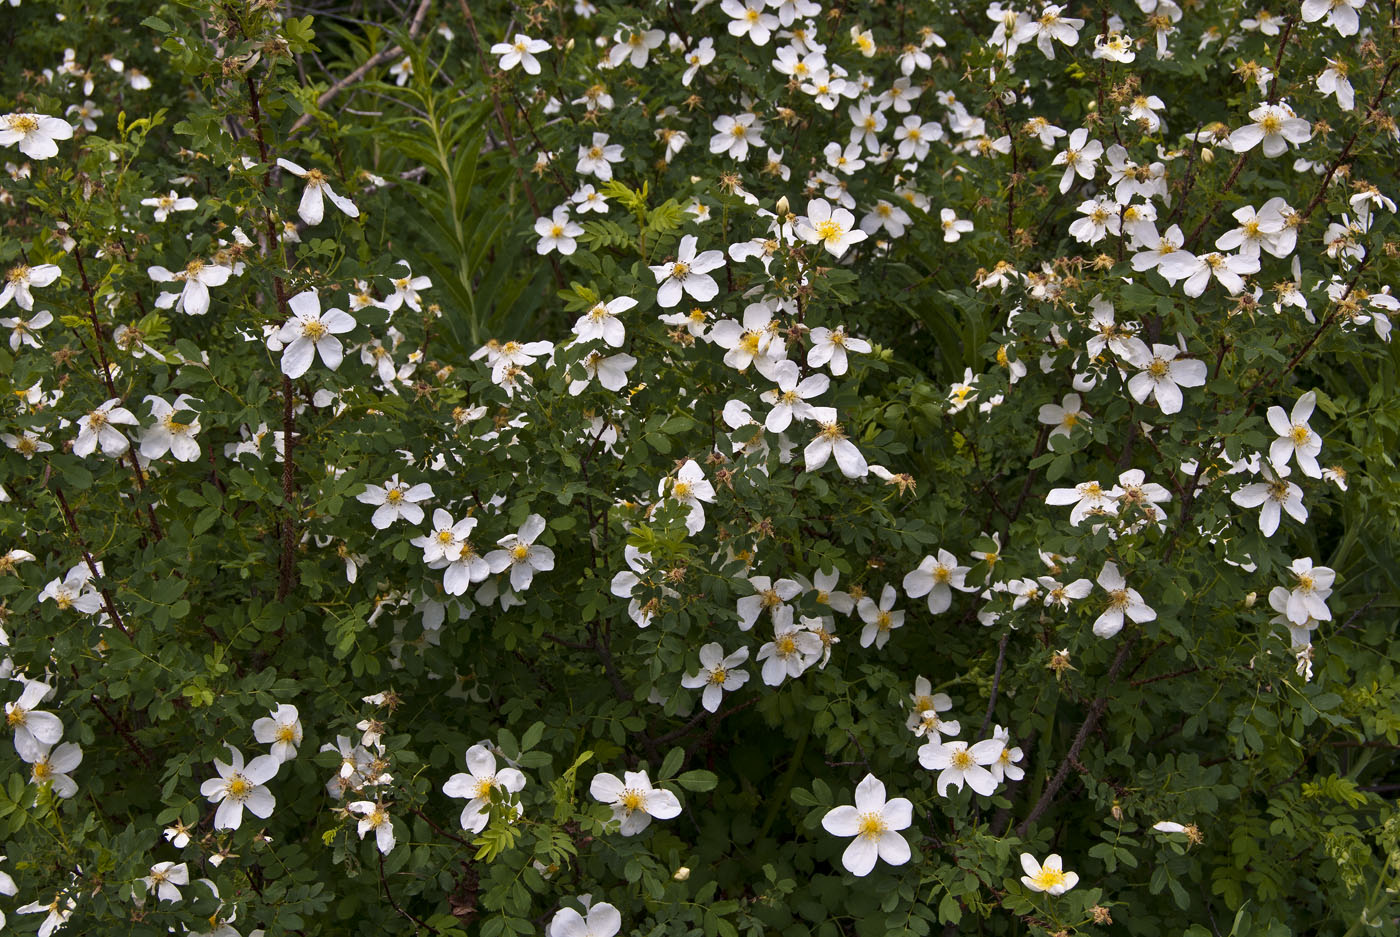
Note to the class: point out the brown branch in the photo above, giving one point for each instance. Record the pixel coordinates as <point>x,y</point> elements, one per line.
<point>395,905</point>
<point>87,558</point>
<point>1091,720</point>
<point>996,685</point>
<point>379,58</point>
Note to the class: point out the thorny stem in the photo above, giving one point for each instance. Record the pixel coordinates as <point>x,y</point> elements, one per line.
<point>87,558</point>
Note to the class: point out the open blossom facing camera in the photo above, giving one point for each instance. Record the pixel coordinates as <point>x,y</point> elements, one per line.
<point>318,188</point>
<point>476,785</point>
<point>1049,876</point>
<point>239,786</point>
<point>197,277</point>
<point>718,674</point>
<point>395,500</point>
<point>688,274</point>
<point>34,134</point>
<point>311,332</point>
<point>520,51</point>
<point>633,800</point>
<point>834,229</point>
<point>874,822</point>
<point>281,730</point>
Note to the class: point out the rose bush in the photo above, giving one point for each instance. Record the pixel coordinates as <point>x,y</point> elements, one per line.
<point>700,457</point>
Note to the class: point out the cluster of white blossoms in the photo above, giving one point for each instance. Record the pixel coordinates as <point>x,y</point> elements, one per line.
<point>38,738</point>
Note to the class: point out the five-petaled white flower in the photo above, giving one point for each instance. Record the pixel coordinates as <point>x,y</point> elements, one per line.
<point>520,52</point>
<point>875,822</point>
<point>718,674</point>
<point>1308,595</point>
<point>633,800</point>
<point>693,491</point>
<point>165,879</point>
<point>597,158</point>
<point>522,555</point>
<point>830,347</point>
<point>1163,374</point>
<point>165,204</point>
<point>689,274</point>
<point>476,784</point>
<point>1296,438</point>
<point>557,232</point>
<point>406,290</point>
<point>1273,125</point>
<point>167,434</point>
<point>281,730</point>
<point>310,332</point>
<point>937,578</point>
<point>98,427</point>
<point>35,133</point>
<point>1122,601</point>
<point>879,619</point>
<point>831,442</point>
<point>834,229</point>
<point>198,276</point>
<point>1049,877</point>
<point>959,763</point>
<point>239,786</point>
<point>395,499</point>
<point>1274,495</point>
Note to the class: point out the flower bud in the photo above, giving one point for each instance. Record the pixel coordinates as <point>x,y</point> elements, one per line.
<point>682,873</point>
<point>783,207</point>
<point>1207,155</point>
<point>1250,599</point>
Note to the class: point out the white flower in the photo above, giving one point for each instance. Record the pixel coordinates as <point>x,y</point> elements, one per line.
<point>1080,157</point>
<point>703,54</point>
<point>718,674</point>
<point>1063,417</point>
<point>374,816</point>
<point>756,342</point>
<point>884,215</point>
<point>165,204</point>
<point>238,786</point>
<point>312,208</point>
<point>1333,80</point>
<point>406,290</point>
<point>831,441</point>
<point>597,158</point>
<point>1296,438</point>
<point>35,134</point>
<point>521,555</point>
<point>874,821</point>
<point>601,322</point>
<point>74,591</point>
<point>734,135</point>
<point>589,199</point>
<point>880,619</point>
<point>1274,125</point>
<point>953,226</point>
<point>1228,269</point>
<point>936,578</point>
<point>50,765</point>
<point>198,276</point>
<point>520,52</point>
<point>1005,768</point>
<point>830,347</point>
<point>1121,601</point>
<point>1308,595</point>
<point>476,785</point>
<point>447,540</point>
<point>692,490</point>
<point>923,716</point>
<point>557,233</point>
<point>687,274</point>
<point>1050,878</point>
<point>789,400</point>
<point>1274,495</point>
<point>792,650</point>
<point>164,879</point>
<point>402,71</point>
<point>1340,14</point>
<point>282,730</point>
<point>958,763</point>
<point>168,435</point>
<point>769,595</point>
<point>1049,28</point>
<point>57,913</point>
<point>610,371</point>
<point>394,500</point>
<point>310,332</point>
<point>22,330</point>
<point>635,46</point>
<point>1163,374</point>
<point>603,921</point>
<point>97,428</point>
<point>748,19</point>
<point>633,800</point>
<point>834,229</point>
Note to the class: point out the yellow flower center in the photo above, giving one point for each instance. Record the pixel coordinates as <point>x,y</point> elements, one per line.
<point>829,231</point>
<point>520,552</point>
<point>393,496</point>
<point>313,330</point>
<point>239,787</point>
<point>680,490</point>
<point>786,645</point>
<point>872,824</point>
<point>1158,368</point>
<point>24,123</point>
<point>631,800</point>
<point>962,760</point>
<point>286,733</point>
<point>718,675</point>
<point>1299,434</point>
<point>1048,878</point>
